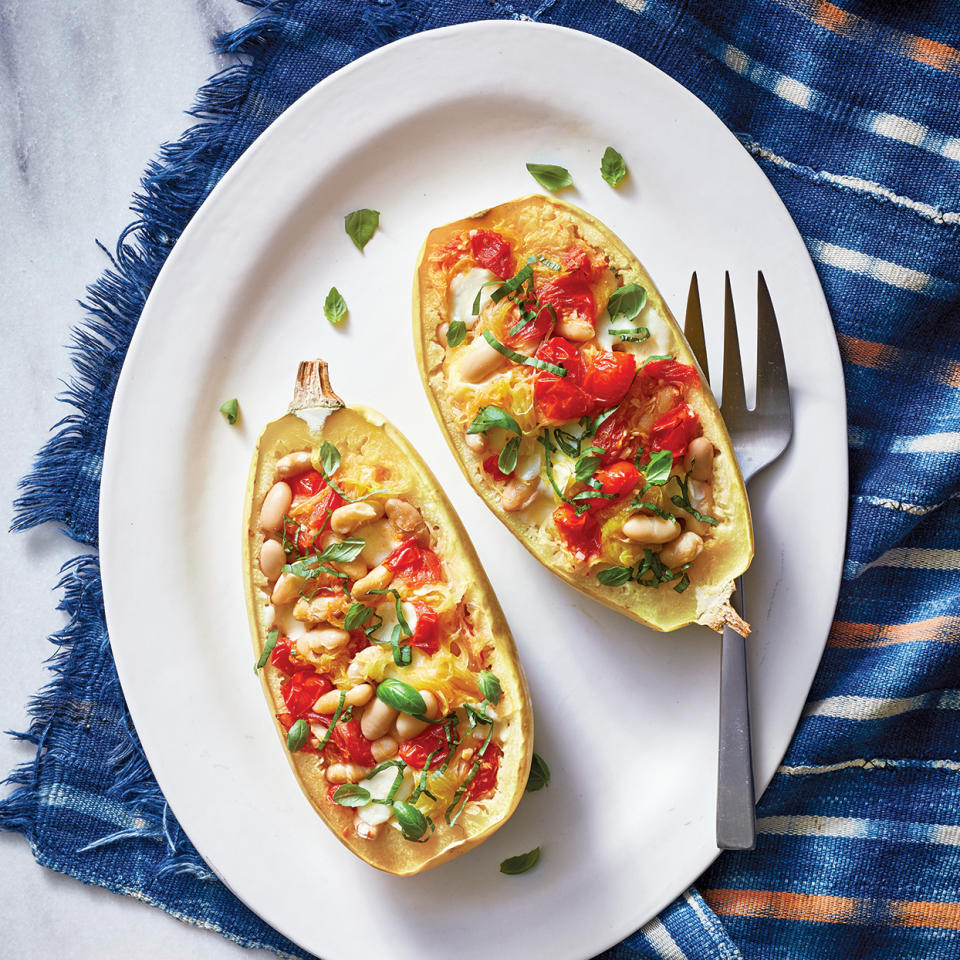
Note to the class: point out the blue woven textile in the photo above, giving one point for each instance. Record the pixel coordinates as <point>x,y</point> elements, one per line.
<point>853,112</point>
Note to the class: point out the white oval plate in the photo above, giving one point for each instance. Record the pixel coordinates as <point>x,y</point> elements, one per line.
<point>413,131</point>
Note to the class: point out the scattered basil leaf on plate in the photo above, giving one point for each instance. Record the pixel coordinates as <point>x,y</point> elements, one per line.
<point>335,307</point>
<point>612,167</point>
<point>230,410</point>
<point>521,863</point>
<point>361,226</point>
<point>550,176</point>
<point>539,774</point>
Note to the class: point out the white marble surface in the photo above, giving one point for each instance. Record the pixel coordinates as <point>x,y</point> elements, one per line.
<point>87,93</point>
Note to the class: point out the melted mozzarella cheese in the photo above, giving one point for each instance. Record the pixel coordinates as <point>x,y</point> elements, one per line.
<point>659,340</point>
<point>463,291</point>
<point>380,540</point>
<point>287,624</point>
<point>379,786</point>
<point>388,611</point>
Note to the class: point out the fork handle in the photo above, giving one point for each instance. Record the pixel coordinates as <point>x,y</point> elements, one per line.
<point>736,822</point>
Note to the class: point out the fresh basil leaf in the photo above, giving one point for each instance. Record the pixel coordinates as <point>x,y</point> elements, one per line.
<point>539,774</point>
<point>361,226</point>
<point>522,358</point>
<point>401,696</point>
<point>351,795</point>
<point>550,176</point>
<point>521,863</point>
<point>297,735</point>
<point>615,576</point>
<point>413,824</point>
<point>329,458</point>
<point>344,551</point>
<point>455,333</point>
<point>493,417</point>
<point>657,472</point>
<point>653,508</point>
<point>459,802</point>
<point>513,284</point>
<point>357,616</point>
<point>335,307</point>
<point>586,467</point>
<point>626,302</point>
<point>267,649</point>
<point>230,410</point>
<point>507,461</point>
<point>489,686</point>
<point>612,167</point>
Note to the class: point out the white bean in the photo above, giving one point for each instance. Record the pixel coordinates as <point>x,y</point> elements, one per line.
<point>646,528</point>
<point>384,748</point>
<point>287,588</point>
<point>477,442</point>
<point>575,329</point>
<point>347,518</point>
<point>685,549</point>
<point>408,726</point>
<point>324,640</point>
<point>275,504</point>
<point>293,464</point>
<point>699,459</point>
<point>346,772</point>
<point>407,520</point>
<point>272,559</point>
<point>354,697</point>
<point>377,579</point>
<point>377,719</point>
<point>480,362</point>
<point>518,493</point>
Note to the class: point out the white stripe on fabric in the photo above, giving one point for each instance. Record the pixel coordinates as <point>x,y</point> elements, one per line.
<point>915,509</point>
<point>879,122</point>
<point>855,184</point>
<point>886,271</point>
<point>818,826</point>
<point>919,558</point>
<point>879,708</point>
<point>865,764</point>
<point>860,437</point>
<point>659,938</point>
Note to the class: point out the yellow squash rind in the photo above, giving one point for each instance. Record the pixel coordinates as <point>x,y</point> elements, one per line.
<point>729,553</point>
<point>354,428</point>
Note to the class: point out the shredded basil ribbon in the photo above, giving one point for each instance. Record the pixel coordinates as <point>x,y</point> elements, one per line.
<point>267,649</point>
<point>522,358</point>
<point>333,722</point>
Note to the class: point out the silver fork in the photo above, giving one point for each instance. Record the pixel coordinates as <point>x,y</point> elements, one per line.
<point>759,437</point>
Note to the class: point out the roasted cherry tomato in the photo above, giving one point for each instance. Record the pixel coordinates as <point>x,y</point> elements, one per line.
<point>307,484</point>
<point>615,437</point>
<point>581,535</point>
<point>416,750</point>
<point>285,658</point>
<point>319,518</point>
<point>347,743</point>
<point>491,467</point>
<point>535,330</point>
<point>560,398</point>
<point>426,634</point>
<point>491,251</point>
<point>579,263</point>
<point>302,690</point>
<point>414,564</point>
<point>486,777</point>
<point>608,377</point>
<point>571,297</point>
<point>671,371</point>
<point>674,430</point>
<point>619,479</point>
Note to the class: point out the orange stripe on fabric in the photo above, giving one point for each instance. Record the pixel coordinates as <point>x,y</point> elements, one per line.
<point>865,635</point>
<point>783,905</point>
<point>924,913</point>
<point>840,21</point>
<point>883,356</point>
<point>817,908</point>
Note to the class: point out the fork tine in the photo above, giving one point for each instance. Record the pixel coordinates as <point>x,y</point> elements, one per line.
<point>733,399</point>
<point>693,327</point>
<point>772,387</point>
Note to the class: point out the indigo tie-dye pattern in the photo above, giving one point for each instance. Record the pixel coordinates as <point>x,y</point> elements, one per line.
<point>852,109</point>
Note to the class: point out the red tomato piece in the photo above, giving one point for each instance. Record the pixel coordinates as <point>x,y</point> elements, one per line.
<point>491,251</point>
<point>307,484</point>
<point>319,518</point>
<point>579,263</point>
<point>560,398</point>
<point>614,437</point>
<point>302,690</point>
<point>671,371</point>
<point>608,378</point>
<point>416,750</point>
<point>285,657</point>
<point>580,535</point>
<point>414,564</point>
<point>674,430</point>
<point>571,297</point>
<point>491,467</point>
<point>426,634</point>
<point>485,780</point>
<point>536,330</point>
<point>620,479</point>
<point>349,742</point>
